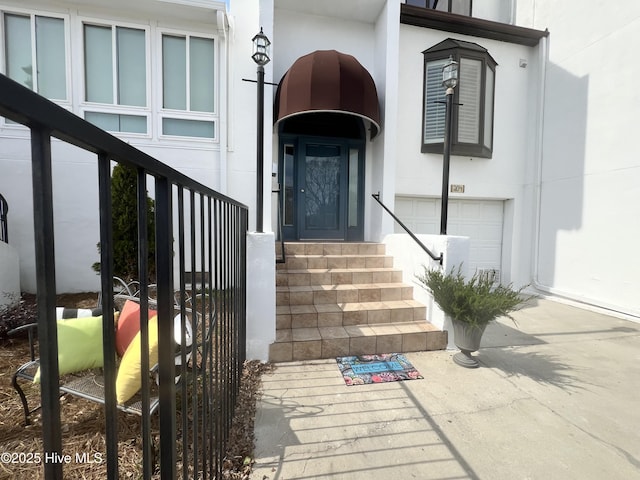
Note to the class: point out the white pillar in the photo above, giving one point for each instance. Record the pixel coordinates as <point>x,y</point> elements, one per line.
<point>261,295</point>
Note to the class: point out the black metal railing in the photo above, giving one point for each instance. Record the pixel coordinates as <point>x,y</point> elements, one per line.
<point>4,210</point>
<point>437,258</point>
<point>279,238</point>
<point>196,230</point>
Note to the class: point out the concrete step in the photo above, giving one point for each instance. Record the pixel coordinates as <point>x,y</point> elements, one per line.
<point>321,248</point>
<point>342,293</point>
<point>337,276</point>
<point>335,299</point>
<point>313,343</point>
<point>347,314</point>
<point>303,262</point>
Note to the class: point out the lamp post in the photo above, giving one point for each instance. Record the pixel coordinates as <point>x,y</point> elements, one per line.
<point>261,56</point>
<point>449,81</point>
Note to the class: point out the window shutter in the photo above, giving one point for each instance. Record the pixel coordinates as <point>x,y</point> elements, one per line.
<point>434,113</point>
<point>469,97</point>
<point>488,109</point>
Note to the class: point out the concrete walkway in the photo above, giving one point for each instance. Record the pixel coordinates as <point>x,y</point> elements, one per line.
<point>557,397</point>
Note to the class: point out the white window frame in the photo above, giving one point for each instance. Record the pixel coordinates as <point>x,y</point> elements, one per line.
<point>31,13</point>
<point>115,109</point>
<point>187,114</point>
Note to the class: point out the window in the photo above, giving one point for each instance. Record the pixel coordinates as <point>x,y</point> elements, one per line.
<point>36,40</point>
<point>461,7</point>
<point>115,76</point>
<point>473,99</point>
<point>188,81</point>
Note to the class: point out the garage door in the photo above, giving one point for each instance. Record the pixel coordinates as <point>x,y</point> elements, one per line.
<point>480,220</point>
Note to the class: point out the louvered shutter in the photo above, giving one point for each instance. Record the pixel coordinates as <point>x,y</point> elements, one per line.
<point>434,113</point>
<point>469,96</point>
<point>488,109</point>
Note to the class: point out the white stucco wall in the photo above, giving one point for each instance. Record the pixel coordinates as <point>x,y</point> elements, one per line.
<point>75,196</point>
<point>247,16</point>
<point>412,259</point>
<point>509,174</point>
<point>590,170</point>
<point>372,38</point>
<point>495,10</point>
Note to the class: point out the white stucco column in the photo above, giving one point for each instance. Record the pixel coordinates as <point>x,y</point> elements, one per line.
<point>261,295</point>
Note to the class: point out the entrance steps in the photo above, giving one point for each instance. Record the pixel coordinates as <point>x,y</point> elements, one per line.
<point>337,299</point>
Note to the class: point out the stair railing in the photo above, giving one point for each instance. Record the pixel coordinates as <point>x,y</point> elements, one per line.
<point>279,238</point>
<point>439,258</point>
<point>4,209</point>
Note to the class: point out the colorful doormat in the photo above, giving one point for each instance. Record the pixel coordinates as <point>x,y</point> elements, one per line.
<point>388,367</point>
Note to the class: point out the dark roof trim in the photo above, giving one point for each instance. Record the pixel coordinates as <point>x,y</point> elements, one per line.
<point>475,27</point>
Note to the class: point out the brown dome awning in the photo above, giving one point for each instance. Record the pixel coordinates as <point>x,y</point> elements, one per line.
<point>328,81</point>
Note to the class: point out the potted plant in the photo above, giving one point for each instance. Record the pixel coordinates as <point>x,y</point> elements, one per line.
<point>471,305</point>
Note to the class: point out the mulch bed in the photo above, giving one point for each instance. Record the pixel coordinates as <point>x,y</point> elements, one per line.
<point>83,421</point>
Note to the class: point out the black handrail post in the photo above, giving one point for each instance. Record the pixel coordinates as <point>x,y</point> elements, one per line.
<point>167,391</point>
<point>106,280</point>
<point>143,275</point>
<point>46,297</point>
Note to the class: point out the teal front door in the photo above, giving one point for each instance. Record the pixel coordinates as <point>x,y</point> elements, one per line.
<point>322,189</point>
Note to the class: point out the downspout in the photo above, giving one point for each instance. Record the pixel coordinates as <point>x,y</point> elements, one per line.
<point>512,14</point>
<point>223,25</point>
<point>543,56</point>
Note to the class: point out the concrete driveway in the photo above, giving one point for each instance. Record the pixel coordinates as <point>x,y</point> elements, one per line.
<point>555,397</point>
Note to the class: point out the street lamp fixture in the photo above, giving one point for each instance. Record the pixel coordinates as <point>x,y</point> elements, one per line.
<point>449,81</point>
<point>261,48</point>
<point>261,56</point>
<point>450,74</point>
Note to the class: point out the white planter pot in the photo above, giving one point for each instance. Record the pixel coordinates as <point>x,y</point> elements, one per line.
<point>467,338</point>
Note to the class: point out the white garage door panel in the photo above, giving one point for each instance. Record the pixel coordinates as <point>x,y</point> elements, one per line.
<point>480,220</point>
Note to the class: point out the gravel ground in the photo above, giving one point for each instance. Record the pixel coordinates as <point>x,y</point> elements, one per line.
<point>84,421</point>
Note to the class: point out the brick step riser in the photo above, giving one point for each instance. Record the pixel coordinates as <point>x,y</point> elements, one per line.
<point>323,348</point>
<point>297,279</point>
<point>350,318</point>
<point>292,249</point>
<point>324,297</point>
<point>335,261</point>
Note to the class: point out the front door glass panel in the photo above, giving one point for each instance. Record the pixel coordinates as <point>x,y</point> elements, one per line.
<point>322,183</point>
<point>288,185</point>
